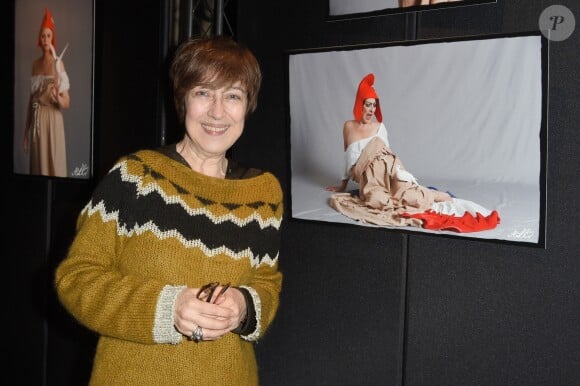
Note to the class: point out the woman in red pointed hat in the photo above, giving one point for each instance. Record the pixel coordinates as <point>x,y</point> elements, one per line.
<point>388,194</point>
<point>44,133</point>
<point>367,124</point>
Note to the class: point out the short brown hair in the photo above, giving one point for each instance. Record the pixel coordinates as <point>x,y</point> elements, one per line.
<point>217,60</point>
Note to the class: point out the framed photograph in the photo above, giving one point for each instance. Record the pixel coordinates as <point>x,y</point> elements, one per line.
<point>464,118</point>
<point>348,9</point>
<point>53,88</point>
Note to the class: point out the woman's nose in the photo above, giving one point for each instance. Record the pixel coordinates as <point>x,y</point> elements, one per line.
<point>216,109</point>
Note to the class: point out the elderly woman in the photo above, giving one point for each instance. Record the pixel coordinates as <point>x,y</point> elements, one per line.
<point>175,260</point>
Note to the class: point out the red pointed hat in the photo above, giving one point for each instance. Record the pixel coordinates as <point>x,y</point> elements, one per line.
<point>366,90</point>
<point>47,22</point>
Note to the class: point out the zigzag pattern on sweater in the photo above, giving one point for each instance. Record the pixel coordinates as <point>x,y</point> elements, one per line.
<point>146,186</point>
<point>133,192</point>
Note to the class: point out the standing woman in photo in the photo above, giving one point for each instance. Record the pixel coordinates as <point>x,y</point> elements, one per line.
<point>44,136</point>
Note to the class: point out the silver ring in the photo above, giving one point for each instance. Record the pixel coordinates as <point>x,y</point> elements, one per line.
<point>197,334</point>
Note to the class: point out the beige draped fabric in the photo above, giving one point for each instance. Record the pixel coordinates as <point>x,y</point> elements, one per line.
<point>47,133</point>
<point>385,190</point>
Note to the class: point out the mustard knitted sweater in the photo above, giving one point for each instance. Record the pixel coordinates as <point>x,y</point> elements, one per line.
<point>152,227</point>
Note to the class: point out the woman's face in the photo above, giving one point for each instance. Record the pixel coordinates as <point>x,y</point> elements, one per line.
<point>214,118</point>
<point>46,38</point>
<point>369,107</point>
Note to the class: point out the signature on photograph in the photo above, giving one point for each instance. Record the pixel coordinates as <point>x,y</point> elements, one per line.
<point>81,171</point>
<point>525,234</point>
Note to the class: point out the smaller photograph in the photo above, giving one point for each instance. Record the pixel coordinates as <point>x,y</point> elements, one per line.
<point>347,9</point>
<point>53,88</point>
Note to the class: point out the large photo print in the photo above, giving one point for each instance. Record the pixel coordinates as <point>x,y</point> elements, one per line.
<point>441,137</point>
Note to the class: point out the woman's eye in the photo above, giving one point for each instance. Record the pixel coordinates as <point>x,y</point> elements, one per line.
<point>235,97</point>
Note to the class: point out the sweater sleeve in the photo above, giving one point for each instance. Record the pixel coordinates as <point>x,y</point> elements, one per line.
<point>90,282</point>
<point>266,284</point>
<point>264,292</point>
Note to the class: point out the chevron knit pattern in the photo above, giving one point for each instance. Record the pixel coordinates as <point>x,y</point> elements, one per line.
<point>152,227</point>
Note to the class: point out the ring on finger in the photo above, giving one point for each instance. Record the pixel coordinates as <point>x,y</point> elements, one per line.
<point>197,334</point>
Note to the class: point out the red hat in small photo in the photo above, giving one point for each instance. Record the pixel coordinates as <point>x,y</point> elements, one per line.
<point>47,22</point>
<point>366,90</point>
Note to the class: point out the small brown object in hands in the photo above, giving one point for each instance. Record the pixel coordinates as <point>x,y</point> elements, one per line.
<point>206,291</point>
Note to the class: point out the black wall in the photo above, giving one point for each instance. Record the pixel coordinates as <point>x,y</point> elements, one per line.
<point>475,312</point>
<point>359,306</point>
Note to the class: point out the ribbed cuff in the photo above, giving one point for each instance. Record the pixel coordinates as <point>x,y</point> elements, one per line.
<point>163,328</point>
<point>254,328</point>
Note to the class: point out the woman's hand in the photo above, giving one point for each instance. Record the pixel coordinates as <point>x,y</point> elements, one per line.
<point>60,99</point>
<point>216,317</point>
<point>337,188</point>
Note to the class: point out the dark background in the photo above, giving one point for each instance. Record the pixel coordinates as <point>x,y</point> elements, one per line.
<point>359,306</point>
